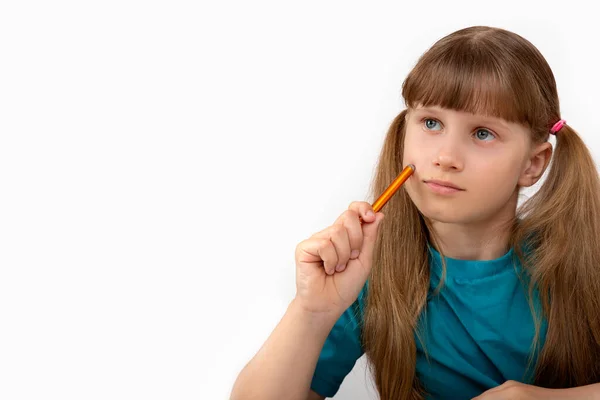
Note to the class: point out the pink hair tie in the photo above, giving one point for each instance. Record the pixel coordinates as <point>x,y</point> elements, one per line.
<point>557,126</point>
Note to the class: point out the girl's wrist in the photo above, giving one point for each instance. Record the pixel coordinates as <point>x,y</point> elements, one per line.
<point>322,319</point>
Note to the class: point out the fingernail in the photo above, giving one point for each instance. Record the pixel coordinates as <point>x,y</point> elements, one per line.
<point>354,254</point>
<point>340,267</point>
<point>370,213</point>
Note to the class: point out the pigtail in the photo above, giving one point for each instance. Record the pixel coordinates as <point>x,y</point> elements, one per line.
<point>398,283</point>
<point>561,224</point>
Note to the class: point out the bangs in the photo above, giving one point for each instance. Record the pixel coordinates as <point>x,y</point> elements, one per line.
<point>467,80</point>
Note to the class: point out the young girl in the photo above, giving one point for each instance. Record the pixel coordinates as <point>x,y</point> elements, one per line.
<point>456,293</point>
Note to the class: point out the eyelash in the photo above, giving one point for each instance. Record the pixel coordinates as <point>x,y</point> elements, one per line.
<point>485,129</point>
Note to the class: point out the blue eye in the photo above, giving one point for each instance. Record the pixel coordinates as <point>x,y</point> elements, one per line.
<point>489,134</point>
<point>428,123</point>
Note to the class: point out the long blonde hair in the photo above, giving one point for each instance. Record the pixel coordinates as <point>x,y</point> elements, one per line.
<point>494,72</point>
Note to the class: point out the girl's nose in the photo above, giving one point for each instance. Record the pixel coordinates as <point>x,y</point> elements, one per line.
<point>449,157</point>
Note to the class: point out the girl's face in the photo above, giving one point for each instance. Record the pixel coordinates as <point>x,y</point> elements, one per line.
<point>486,158</point>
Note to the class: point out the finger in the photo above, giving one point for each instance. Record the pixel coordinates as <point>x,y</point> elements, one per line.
<point>370,231</point>
<point>339,238</point>
<point>364,210</point>
<point>360,208</point>
<point>355,234</point>
<point>320,251</point>
<point>328,255</point>
<point>349,220</point>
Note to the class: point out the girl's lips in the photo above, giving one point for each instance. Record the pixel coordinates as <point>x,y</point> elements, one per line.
<point>440,189</point>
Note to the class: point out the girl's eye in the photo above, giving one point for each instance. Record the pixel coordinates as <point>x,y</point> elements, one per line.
<point>486,134</point>
<point>430,123</point>
<point>481,134</point>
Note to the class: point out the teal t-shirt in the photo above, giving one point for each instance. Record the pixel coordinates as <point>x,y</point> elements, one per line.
<point>477,331</point>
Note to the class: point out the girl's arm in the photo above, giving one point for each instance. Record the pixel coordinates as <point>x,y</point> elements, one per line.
<point>284,366</point>
<point>591,392</point>
<point>517,390</point>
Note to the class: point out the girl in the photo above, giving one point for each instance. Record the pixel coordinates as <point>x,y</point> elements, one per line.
<point>458,293</point>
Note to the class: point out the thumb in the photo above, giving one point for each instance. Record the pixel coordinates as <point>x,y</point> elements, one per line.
<point>370,230</point>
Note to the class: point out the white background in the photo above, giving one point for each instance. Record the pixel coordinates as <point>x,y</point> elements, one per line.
<point>160,161</point>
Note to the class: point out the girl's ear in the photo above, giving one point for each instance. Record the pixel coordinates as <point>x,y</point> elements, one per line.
<point>539,158</point>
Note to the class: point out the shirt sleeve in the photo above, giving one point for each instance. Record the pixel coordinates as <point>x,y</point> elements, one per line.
<point>341,350</point>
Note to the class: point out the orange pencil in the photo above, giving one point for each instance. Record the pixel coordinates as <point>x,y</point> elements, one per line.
<point>393,188</point>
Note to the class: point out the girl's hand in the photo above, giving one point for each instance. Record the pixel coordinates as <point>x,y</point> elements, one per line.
<point>333,265</point>
<point>513,390</point>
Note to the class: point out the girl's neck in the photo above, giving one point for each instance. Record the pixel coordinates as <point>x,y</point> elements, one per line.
<point>465,243</point>
<point>487,240</point>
